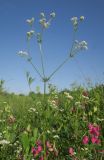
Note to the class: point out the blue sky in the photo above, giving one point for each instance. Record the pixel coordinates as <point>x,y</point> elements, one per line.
<point>57,42</point>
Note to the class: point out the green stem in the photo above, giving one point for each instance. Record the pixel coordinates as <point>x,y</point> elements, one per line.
<point>41,56</point>
<point>44,88</point>
<point>59,67</point>
<point>28,50</point>
<point>28,46</point>
<point>36,69</point>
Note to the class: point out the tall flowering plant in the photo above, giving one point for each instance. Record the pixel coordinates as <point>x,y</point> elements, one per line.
<point>45,24</point>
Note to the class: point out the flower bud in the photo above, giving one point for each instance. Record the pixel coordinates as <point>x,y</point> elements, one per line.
<point>82,18</point>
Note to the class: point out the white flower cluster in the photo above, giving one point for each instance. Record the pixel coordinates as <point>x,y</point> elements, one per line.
<point>53,104</point>
<point>78,46</point>
<point>2,120</point>
<point>68,95</point>
<point>75,21</point>
<point>3,142</point>
<point>56,136</point>
<point>32,110</point>
<point>81,45</point>
<point>30,21</point>
<point>44,23</point>
<point>23,54</point>
<point>77,103</point>
<point>30,34</point>
<point>85,97</point>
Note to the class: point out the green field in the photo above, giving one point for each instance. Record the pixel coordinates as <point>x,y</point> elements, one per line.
<point>67,125</point>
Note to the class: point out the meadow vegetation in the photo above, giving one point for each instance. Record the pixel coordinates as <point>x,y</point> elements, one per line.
<point>66,125</point>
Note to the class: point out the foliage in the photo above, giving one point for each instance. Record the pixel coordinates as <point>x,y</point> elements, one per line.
<point>63,126</point>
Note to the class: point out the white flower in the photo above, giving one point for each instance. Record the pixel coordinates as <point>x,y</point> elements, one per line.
<point>56,136</point>
<point>73,19</point>
<point>32,110</point>
<point>30,21</point>
<point>85,97</point>
<point>48,131</point>
<point>61,110</point>
<point>77,103</point>
<point>2,142</point>
<point>32,31</point>
<point>23,54</point>
<point>68,95</point>
<point>56,96</point>
<point>82,18</point>
<point>30,34</point>
<point>83,45</point>
<point>53,14</point>
<point>44,23</point>
<point>79,46</point>
<point>42,15</point>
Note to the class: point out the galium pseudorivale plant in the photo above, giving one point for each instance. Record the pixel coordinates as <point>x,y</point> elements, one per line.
<point>45,24</point>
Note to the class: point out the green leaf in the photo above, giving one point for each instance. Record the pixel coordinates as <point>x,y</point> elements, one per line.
<point>31,80</point>
<point>25,141</point>
<point>35,134</point>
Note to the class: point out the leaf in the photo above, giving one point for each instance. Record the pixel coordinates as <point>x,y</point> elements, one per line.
<point>35,133</point>
<point>25,141</point>
<point>30,80</point>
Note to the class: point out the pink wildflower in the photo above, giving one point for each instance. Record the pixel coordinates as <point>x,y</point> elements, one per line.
<point>94,130</point>
<point>36,150</point>
<point>85,140</point>
<point>39,148</point>
<point>95,140</point>
<point>71,151</point>
<point>33,150</point>
<point>41,158</point>
<point>36,153</point>
<point>90,126</point>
